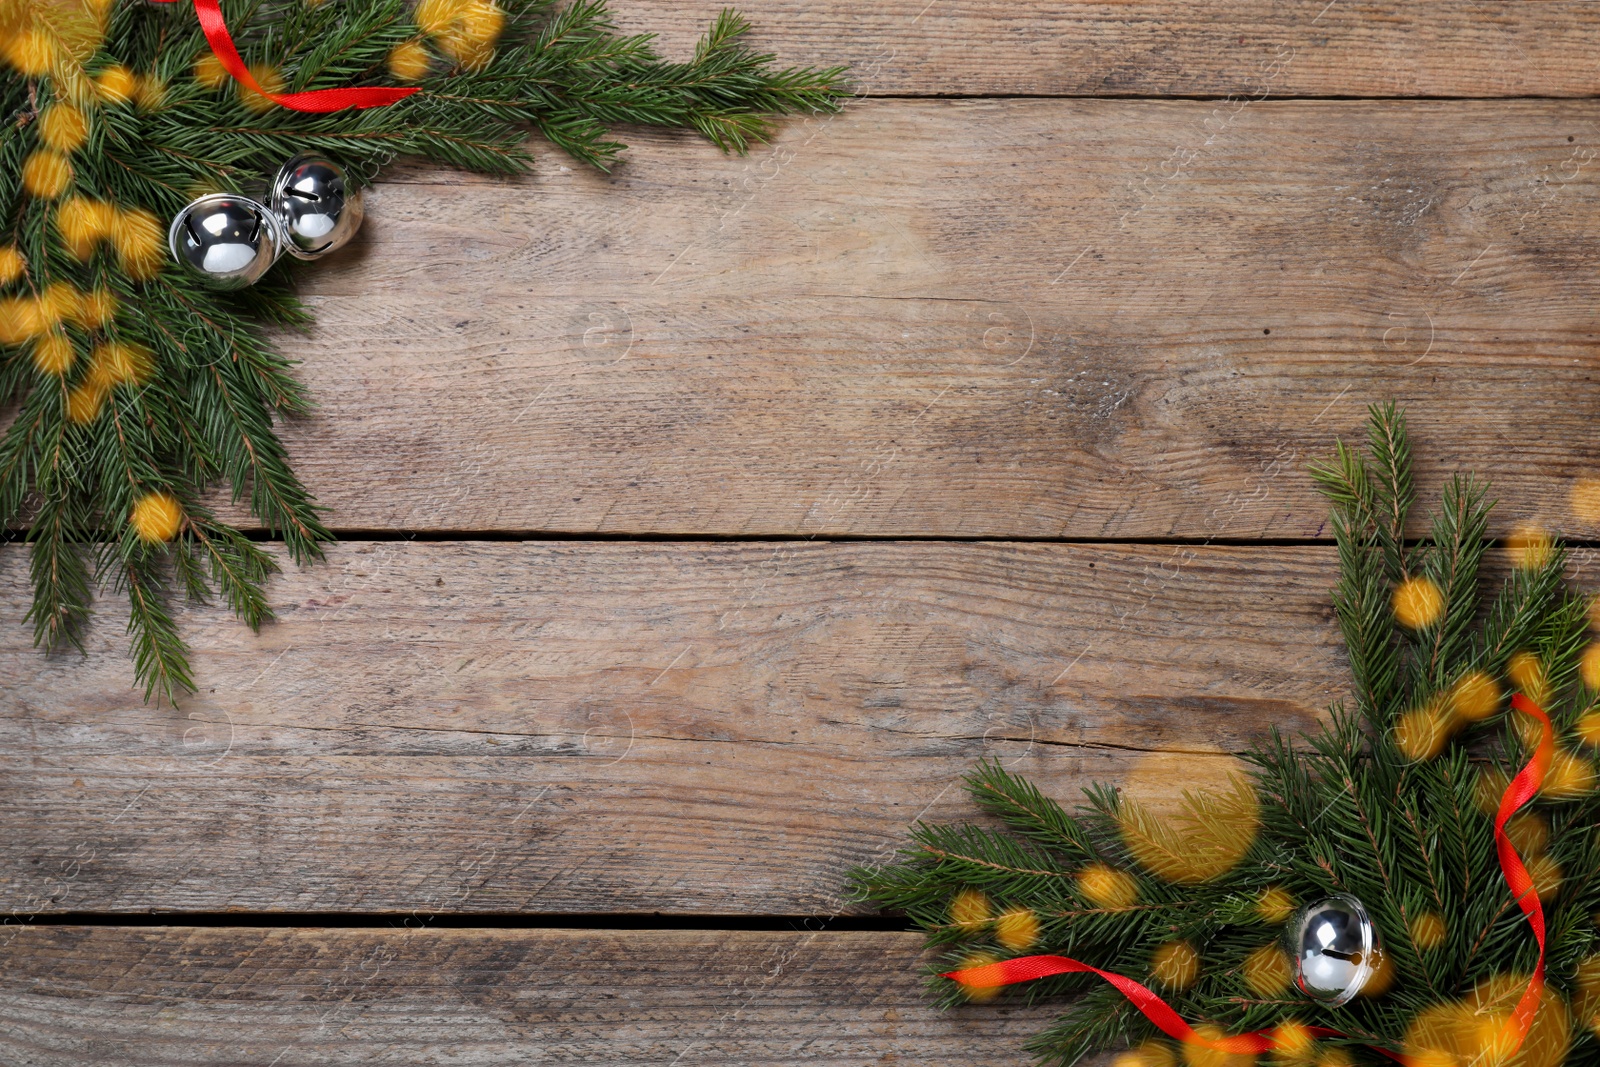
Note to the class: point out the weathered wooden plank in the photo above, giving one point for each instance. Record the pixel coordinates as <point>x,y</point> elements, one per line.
<point>1014,318</point>
<point>1294,48</point>
<point>610,727</point>
<point>110,995</point>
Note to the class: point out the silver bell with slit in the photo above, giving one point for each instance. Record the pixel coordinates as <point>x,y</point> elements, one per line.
<point>226,240</point>
<point>1335,949</point>
<point>316,205</point>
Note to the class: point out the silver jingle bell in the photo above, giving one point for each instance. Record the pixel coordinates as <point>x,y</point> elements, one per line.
<point>226,240</point>
<point>317,207</point>
<point>1335,948</point>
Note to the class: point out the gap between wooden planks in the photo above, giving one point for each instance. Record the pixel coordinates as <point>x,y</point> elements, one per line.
<point>284,998</point>
<point>1024,318</point>
<point>633,727</point>
<point>1154,48</point>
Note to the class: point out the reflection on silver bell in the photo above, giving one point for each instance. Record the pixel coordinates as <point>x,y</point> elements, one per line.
<point>1335,948</point>
<point>227,241</point>
<point>316,205</point>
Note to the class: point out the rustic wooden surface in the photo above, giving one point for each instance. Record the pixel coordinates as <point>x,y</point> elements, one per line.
<point>1016,318</point>
<point>599,647</point>
<point>596,727</point>
<point>1155,48</point>
<point>286,998</point>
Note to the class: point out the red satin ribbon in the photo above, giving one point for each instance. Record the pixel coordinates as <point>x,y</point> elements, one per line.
<point>1523,788</point>
<point>1158,1011</point>
<point>316,102</point>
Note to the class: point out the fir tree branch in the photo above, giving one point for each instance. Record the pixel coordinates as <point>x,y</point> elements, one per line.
<point>1393,492</point>
<point>238,567</point>
<point>209,413</point>
<point>159,654</point>
<point>60,574</point>
<point>1027,811</point>
<point>1401,828</point>
<point>1460,532</point>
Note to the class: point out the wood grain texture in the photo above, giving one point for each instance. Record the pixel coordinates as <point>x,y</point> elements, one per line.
<point>1143,47</point>
<point>258,998</point>
<point>612,727</point>
<point>1024,318</point>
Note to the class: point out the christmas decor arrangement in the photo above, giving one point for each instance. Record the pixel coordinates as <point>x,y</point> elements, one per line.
<point>158,160</point>
<point>1419,882</point>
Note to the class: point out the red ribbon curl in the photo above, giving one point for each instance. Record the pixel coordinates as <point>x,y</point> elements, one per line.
<point>319,101</point>
<point>1523,788</point>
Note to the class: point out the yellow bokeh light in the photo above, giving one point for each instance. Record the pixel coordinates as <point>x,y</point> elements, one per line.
<point>1418,603</point>
<point>1427,931</point>
<point>1149,1054</point>
<point>1017,929</point>
<point>20,320</point>
<point>32,52</point>
<point>1200,1053</point>
<point>1527,673</point>
<point>60,302</point>
<point>150,92</point>
<point>83,223</point>
<point>96,309</point>
<point>1474,697</point>
<point>1207,837</point>
<point>140,240</point>
<point>409,61</point>
<point>53,354</point>
<point>1530,547</point>
<point>117,84</point>
<point>969,909</point>
<point>1547,877</point>
<point>1589,666</point>
<point>85,402</point>
<point>1585,497</point>
<point>1474,1032</point>
<point>1382,977</point>
<point>120,363</point>
<point>1175,964</point>
<point>1586,1001</point>
<point>156,517</point>
<point>210,72</point>
<point>1569,777</point>
<point>271,82</point>
<point>1106,887</point>
<point>1292,1043</point>
<point>46,174</point>
<point>979,993</point>
<point>1267,971</point>
<point>1421,733</point>
<point>1588,728</point>
<point>12,264</point>
<point>1275,905</point>
<point>63,127</point>
<point>1529,832</point>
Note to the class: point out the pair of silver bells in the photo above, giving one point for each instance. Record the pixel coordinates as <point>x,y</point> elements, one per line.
<point>229,241</point>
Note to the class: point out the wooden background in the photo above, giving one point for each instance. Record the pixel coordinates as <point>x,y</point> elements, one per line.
<point>702,524</point>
